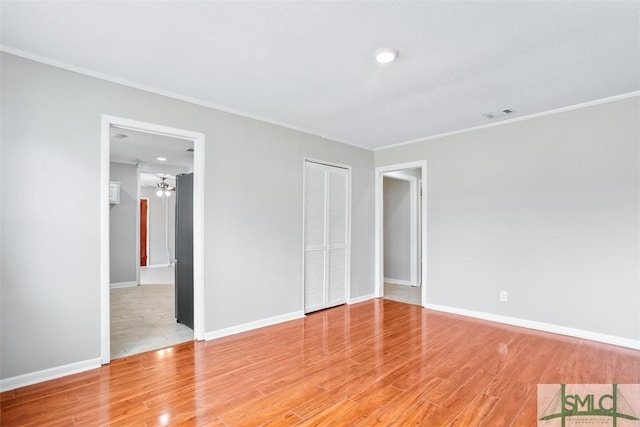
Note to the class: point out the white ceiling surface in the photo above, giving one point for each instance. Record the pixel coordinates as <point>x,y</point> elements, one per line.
<point>309,65</point>
<point>144,148</point>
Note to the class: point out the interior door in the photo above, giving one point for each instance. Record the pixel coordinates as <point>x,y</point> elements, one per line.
<point>326,230</point>
<point>184,249</point>
<point>144,206</point>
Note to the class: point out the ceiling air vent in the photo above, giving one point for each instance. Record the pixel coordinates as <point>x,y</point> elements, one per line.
<point>496,114</point>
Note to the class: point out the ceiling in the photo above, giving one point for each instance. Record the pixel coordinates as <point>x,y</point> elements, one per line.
<point>143,148</point>
<point>310,65</point>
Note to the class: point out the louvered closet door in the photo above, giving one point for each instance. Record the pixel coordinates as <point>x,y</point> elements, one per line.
<point>326,220</point>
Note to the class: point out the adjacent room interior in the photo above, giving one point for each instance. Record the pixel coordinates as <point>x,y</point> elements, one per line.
<point>402,222</point>
<point>143,176</point>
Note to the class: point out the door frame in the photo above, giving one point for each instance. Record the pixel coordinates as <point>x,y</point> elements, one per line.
<point>348,231</point>
<point>138,195</point>
<point>198,222</point>
<point>140,199</point>
<point>379,225</point>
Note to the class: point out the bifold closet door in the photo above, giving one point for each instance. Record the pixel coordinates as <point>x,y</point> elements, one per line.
<point>326,228</point>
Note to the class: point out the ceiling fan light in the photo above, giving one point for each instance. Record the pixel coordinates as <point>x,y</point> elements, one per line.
<point>159,192</point>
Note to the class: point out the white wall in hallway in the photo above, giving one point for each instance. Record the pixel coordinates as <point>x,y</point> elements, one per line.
<point>159,225</point>
<point>122,225</point>
<point>397,230</point>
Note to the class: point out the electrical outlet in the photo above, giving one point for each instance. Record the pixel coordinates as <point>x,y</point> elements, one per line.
<point>503,296</point>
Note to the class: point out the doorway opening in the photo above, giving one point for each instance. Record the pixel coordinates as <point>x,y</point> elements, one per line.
<point>144,231</point>
<point>400,235</point>
<point>152,262</point>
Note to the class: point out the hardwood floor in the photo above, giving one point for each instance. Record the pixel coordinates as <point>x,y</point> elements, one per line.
<point>379,362</point>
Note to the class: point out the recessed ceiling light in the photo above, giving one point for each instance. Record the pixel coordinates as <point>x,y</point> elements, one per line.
<point>385,55</point>
<point>161,159</point>
<point>120,135</point>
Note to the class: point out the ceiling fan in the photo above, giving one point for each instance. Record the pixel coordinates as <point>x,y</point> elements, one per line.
<point>164,189</point>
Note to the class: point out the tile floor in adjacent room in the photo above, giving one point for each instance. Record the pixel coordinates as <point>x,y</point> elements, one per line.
<point>157,275</point>
<point>143,317</point>
<point>403,293</point>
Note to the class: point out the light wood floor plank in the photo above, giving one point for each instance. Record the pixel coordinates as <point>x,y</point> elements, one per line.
<point>379,362</point>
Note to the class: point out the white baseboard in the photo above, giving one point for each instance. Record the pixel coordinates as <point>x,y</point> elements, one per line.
<point>399,282</point>
<point>361,299</point>
<point>157,266</point>
<point>123,284</point>
<point>541,326</point>
<point>48,374</point>
<point>253,325</point>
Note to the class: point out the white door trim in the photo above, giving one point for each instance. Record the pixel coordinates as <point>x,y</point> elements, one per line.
<point>138,224</point>
<point>379,231</point>
<point>198,221</point>
<point>139,227</point>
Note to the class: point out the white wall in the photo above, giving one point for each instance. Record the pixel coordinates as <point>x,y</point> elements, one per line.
<point>51,122</point>
<point>158,222</point>
<point>122,225</point>
<point>414,173</point>
<point>397,230</point>
<point>545,208</point>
